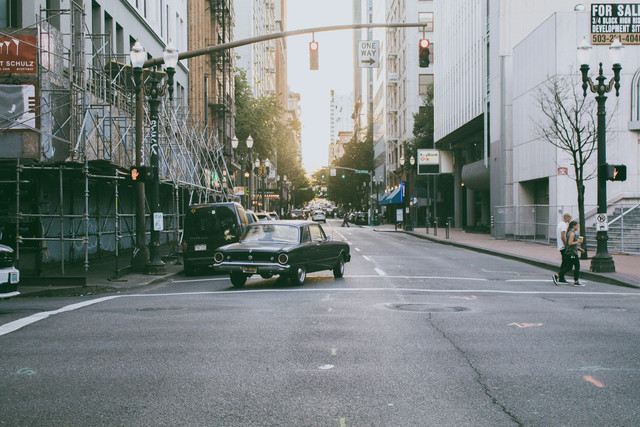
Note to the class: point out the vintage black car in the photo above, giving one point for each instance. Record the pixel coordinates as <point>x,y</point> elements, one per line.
<point>290,249</point>
<point>9,274</point>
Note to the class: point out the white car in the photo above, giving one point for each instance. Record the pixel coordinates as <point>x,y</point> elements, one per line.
<point>9,275</point>
<point>319,216</point>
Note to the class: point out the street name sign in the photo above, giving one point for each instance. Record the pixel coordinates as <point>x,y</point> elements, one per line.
<point>368,53</point>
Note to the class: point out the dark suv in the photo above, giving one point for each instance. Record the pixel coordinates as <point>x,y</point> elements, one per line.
<point>206,228</point>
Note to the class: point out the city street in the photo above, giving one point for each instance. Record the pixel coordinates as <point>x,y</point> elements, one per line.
<point>415,333</point>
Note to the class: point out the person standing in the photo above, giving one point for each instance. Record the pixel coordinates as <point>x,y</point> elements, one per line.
<point>561,235</point>
<point>572,259</point>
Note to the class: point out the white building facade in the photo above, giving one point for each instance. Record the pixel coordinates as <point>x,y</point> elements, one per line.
<point>255,18</point>
<point>486,110</point>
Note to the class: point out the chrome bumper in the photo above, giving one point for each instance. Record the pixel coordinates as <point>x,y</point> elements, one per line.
<point>245,267</point>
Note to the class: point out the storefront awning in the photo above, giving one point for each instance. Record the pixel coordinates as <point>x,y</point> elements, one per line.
<point>394,197</point>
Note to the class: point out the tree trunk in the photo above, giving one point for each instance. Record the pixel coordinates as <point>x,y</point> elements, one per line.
<point>583,230</point>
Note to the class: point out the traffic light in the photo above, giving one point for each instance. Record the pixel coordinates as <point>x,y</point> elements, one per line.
<point>616,172</point>
<point>343,176</point>
<point>322,176</point>
<point>423,53</point>
<point>140,173</point>
<point>313,55</point>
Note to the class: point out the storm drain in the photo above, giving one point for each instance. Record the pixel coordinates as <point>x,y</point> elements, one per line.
<point>424,308</point>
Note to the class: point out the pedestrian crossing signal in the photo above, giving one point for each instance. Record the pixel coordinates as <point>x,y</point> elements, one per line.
<point>140,173</point>
<point>616,172</point>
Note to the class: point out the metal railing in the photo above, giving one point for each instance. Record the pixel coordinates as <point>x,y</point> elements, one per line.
<point>538,223</point>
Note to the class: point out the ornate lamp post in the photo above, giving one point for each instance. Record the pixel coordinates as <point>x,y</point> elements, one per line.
<point>262,170</point>
<point>154,90</point>
<point>247,173</point>
<point>602,260</point>
<point>249,143</point>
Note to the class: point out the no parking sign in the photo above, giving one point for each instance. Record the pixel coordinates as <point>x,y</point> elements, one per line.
<point>601,222</point>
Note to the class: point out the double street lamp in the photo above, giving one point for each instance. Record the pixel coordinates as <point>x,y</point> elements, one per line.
<point>154,90</point>
<point>245,162</point>
<point>262,170</point>
<point>602,261</point>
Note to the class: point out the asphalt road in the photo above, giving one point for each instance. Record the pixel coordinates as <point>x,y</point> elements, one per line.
<point>416,333</point>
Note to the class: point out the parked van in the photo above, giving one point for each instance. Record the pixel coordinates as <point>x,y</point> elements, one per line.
<point>206,228</point>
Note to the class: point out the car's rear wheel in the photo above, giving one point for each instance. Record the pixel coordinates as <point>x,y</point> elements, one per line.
<point>338,270</point>
<point>299,275</point>
<point>238,279</point>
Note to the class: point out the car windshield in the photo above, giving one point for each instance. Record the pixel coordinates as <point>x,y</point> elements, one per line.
<point>271,233</point>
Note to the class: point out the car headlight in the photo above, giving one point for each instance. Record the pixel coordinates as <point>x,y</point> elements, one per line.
<point>283,258</point>
<point>218,257</point>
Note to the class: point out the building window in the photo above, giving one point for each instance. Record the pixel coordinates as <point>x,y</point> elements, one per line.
<point>424,81</point>
<point>427,19</point>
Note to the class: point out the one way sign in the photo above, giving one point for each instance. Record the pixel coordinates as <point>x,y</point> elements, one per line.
<point>368,53</point>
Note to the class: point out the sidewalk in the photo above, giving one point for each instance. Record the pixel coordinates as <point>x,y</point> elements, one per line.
<point>542,255</point>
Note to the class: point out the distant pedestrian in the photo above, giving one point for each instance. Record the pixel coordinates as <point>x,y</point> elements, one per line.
<point>561,235</point>
<point>345,220</point>
<point>572,258</point>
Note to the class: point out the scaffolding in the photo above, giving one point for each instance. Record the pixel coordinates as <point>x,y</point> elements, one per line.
<point>73,201</point>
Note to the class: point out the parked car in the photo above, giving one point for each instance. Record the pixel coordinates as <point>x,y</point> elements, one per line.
<point>206,228</point>
<point>361,218</point>
<point>290,249</point>
<point>319,216</point>
<point>9,274</point>
<point>251,216</point>
<point>274,215</point>
<point>297,214</point>
<point>264,216</point>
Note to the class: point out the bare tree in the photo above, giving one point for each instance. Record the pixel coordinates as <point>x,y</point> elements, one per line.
<point>570,125</point>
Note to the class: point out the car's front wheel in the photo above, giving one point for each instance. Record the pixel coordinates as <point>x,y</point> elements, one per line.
<point>338,270</point>
<point>238,279</point>
<point>299,275</point>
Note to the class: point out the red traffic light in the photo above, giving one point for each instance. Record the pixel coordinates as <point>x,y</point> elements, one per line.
<point>424,43</point>
<point>313,55</point>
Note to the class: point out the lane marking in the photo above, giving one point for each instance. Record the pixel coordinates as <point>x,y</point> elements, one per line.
<point>471,298</point>
<point>366,258</point>
<point>21,323</point>
<point>590,379</point>
<point>380,272</point>
<point>357,249</point>
<point>334,351</point>
<point>525,325</point>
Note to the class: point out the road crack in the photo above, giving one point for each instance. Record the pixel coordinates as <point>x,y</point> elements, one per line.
<point>479,377</point>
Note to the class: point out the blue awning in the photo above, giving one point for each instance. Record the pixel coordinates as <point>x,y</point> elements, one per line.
<point>394,197</point>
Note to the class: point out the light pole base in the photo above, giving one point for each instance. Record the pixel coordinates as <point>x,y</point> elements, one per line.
<point>600,264</point>
<point>156,268</point>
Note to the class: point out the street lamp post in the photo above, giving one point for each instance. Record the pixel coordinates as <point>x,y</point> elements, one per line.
<point>412,162</point>
<point>406,217</point>
<point>247,174</point>
<point>154,90</point>
<point>602,261</point>
<point>262,170</point>
<point>249,143</point>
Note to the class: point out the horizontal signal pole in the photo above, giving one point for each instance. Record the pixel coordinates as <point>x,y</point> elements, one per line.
<point>230,45</point>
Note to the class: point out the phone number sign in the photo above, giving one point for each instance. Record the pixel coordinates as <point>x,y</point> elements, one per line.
<point>610,21</point>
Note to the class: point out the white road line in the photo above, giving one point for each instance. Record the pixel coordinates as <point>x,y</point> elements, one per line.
<point>357,249</point>
<point>366,258</point>
<point>380,272</point>
<point>21,323</point>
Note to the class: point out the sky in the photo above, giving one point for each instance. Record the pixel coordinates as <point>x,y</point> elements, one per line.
<point>335,70</point>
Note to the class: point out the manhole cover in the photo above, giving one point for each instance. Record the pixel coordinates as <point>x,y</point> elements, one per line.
<point>424,308</point>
